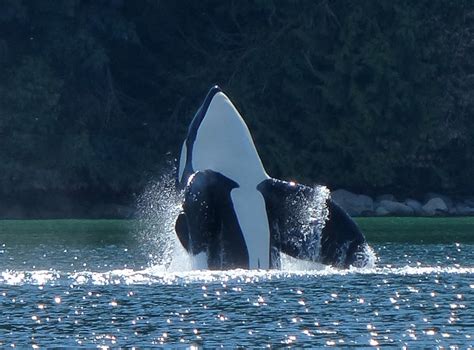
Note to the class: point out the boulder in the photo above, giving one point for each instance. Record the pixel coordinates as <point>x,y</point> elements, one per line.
<point>415,205</point>
<point>111,211</point>
<point>469,202</point>
<point>125,211</point>
<point>353,204</point>
<point>447,200</point>
<point>453,210</point>
<point>464,210</point>
<point>435,206</point>
<point>381,211</point>
<point>385,197</point>
<point>396,208</point>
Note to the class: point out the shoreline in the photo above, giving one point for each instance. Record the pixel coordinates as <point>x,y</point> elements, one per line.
<point>387,205</point>
<point>356,205</point>
<point>450,230</point>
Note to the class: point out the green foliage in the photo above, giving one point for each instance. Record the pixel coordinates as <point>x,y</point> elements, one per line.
<point>369,95</point>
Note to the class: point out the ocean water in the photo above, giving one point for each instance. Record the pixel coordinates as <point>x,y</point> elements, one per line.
<point>126,283</point>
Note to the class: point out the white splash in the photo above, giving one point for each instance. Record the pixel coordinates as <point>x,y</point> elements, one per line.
<point>288,263</point>
<point>157,275</point>
<point>158,208</point>
<point>314,215</point>
<point>367,258</point>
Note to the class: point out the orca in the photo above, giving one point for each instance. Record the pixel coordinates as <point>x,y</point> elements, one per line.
<point>241,217</point>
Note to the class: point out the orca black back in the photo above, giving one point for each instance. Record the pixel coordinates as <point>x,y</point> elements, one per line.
<point>209,224</point>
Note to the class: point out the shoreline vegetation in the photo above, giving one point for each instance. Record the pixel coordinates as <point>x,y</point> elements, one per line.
<point>371,96</point>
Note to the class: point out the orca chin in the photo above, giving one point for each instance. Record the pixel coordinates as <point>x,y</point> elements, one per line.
<point>242,218</point>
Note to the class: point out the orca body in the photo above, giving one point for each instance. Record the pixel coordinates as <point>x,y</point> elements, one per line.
<point>241,217</point>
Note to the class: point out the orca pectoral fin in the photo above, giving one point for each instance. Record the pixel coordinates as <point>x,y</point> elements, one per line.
<point>342,242</point>
<point>182,230</point>
<point>300,245</point>
<point>291,209</point>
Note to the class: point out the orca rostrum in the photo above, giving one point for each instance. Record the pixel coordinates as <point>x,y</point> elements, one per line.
<point>242,218</point>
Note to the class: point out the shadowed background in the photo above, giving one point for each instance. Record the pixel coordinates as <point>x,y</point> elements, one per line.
<point>96,96</point>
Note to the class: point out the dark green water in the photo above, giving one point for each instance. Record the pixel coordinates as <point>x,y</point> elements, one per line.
<point>418,230</point>
<point>102,283</point>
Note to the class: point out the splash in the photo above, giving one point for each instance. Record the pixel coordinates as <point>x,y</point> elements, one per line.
<point>366,258</point>
<point>158,208</point>
<point>161,203</point>
<point>154,275</point>
<point>313,214</point>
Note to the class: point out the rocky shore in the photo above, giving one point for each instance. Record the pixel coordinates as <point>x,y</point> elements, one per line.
<point>65,207</point>
<point>433,204</point>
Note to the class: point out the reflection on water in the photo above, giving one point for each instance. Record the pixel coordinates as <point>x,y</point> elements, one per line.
<point>115,284</point>
<point>414,306</point>
<point>105,294</point>
<point>160,275</point>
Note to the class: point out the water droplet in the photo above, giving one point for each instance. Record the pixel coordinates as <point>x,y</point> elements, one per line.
<point>373,342</point>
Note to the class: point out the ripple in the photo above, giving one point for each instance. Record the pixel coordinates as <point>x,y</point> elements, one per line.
<point>159,275</point>
<point>381,306</point>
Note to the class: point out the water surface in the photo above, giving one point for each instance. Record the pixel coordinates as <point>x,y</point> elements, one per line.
<point>101,283</point>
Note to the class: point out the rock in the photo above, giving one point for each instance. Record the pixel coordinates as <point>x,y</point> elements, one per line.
<point>353,204</point>
<point>124,211</point>
<point>381,211</point>
<point>435,206</point>
<point>111,211</point>
<point>447,200</point>
<point>396,208</point>
<point>463,209</point>
<point>469,202</point>
<point>415,205</point>
<point>386,197</point>
<point>453,210</point>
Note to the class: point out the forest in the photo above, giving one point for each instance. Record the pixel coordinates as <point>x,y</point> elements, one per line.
<point>371,96</point>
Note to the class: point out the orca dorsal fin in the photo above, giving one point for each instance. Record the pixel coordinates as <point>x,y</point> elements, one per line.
<point>219,140</point>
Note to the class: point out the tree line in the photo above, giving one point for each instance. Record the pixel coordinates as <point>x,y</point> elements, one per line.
<point>372,96</point>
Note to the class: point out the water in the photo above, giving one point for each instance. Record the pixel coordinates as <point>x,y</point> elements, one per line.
<point>95,283</point>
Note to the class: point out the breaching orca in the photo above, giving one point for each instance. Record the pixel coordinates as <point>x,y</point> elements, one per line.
<point>241,217</point>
